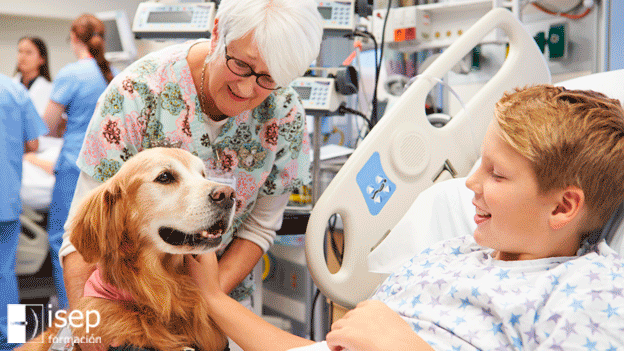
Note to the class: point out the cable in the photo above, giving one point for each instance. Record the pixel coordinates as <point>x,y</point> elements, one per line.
<point>374,117</point>
<point>361,86</point>
<point>366,34</point>
<point>316,295</point>
<point>342,109</point>
<point>331,223</point>
<point>336,130</point>
<point>439,81</point>
<point>562,14</point>
<point>338,253</point>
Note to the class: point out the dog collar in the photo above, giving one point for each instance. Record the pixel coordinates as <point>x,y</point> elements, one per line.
<point>96,287</point>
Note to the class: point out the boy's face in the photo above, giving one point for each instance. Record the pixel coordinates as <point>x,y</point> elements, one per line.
<point>512,216</point>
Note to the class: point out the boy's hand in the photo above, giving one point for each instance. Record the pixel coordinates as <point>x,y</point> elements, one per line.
<point>204,269</point>
<point>373,326</point>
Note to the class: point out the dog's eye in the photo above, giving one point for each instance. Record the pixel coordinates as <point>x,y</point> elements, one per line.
<point>165,178</point>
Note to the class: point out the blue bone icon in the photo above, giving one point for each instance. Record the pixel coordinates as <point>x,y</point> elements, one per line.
<point>375,185</point>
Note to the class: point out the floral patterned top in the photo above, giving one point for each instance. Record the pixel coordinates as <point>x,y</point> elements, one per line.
<point>154,103</point>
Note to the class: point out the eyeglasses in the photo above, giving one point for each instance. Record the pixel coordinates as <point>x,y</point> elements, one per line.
<point>242,69</point>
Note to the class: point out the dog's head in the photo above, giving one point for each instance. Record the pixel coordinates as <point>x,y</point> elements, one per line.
<point>159,198</point>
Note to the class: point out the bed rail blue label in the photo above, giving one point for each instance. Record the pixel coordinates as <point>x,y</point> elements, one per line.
<point>375,184</point>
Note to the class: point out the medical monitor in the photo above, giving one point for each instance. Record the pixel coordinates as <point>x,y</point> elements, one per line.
<point>119,38</point>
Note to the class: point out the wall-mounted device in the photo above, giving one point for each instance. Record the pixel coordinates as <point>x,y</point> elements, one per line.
<point>431,26</point>
<point>338,16</point>
<point>119,40</point>
<point>317,94</point>
<point>551,36</point>
<point>174,21</point>
<point>323,95</point>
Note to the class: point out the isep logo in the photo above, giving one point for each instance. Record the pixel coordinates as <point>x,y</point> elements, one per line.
<point>24,322</point>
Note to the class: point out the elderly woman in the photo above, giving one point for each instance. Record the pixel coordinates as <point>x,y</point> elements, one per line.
<point>226,100</point>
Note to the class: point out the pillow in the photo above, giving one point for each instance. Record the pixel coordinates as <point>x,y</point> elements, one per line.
<point>440,212</point>
<point>613,231</point>
<point>444,211</point>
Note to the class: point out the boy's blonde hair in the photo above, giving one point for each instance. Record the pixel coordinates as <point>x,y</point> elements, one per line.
<point>572,138</point>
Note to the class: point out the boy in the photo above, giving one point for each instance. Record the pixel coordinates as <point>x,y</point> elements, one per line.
<point>533,276</point>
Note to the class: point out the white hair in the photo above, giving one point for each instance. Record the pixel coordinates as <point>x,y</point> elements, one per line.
<point>288,33</point>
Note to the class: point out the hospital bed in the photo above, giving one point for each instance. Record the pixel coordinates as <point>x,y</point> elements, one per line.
<point>404,155</point>
<point>33,266</point>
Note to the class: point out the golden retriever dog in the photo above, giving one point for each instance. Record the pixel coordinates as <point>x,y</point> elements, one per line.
<point>136,228</point>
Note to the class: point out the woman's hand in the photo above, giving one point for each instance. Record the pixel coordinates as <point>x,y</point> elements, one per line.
<point>204,269</point>
<point>373,326</point>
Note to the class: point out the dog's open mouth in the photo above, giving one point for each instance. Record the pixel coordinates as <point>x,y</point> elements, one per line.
<point>208,237</point>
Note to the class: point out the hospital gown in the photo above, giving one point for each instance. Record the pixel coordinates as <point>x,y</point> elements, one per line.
<point>457,297</point>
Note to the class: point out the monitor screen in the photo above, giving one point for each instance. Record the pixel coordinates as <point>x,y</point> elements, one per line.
<point>326,12</point>
<point>170,17</point>
<point>119,39</point>
<point>304,92</point>
<point>112,38</point>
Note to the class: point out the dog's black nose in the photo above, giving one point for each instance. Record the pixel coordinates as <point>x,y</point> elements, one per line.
<point>223,196</point>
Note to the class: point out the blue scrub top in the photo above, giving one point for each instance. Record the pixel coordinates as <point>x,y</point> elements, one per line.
<point>78,87</point>
<point>19,122</point>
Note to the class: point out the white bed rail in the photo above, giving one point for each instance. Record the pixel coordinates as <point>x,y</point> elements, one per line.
<point>404,153</point>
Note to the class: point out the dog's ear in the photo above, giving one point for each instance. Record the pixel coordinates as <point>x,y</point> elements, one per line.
<point>96,227</point>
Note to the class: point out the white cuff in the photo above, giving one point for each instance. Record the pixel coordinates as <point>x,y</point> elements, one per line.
<point>264,220</point>
<point>84,185</point>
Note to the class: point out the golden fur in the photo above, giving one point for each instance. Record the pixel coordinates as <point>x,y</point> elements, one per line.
<point>117,228</point>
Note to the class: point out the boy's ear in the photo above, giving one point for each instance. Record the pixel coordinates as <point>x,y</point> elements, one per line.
<point>570,203</point>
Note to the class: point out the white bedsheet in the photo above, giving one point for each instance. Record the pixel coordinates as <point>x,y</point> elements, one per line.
<point>441,212</point>
<point>37,184</point>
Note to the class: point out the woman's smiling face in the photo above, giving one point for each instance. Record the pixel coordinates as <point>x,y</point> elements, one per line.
<point>230,94</point>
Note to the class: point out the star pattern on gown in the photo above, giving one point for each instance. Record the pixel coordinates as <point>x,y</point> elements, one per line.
<point>459,298</point>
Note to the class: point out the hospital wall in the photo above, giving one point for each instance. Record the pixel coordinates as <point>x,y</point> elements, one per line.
<point>50,20</point>
<point>594,44</point>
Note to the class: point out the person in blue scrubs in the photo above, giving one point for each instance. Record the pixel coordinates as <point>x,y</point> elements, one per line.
<point>76,90</point>
<point>20,126</point>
